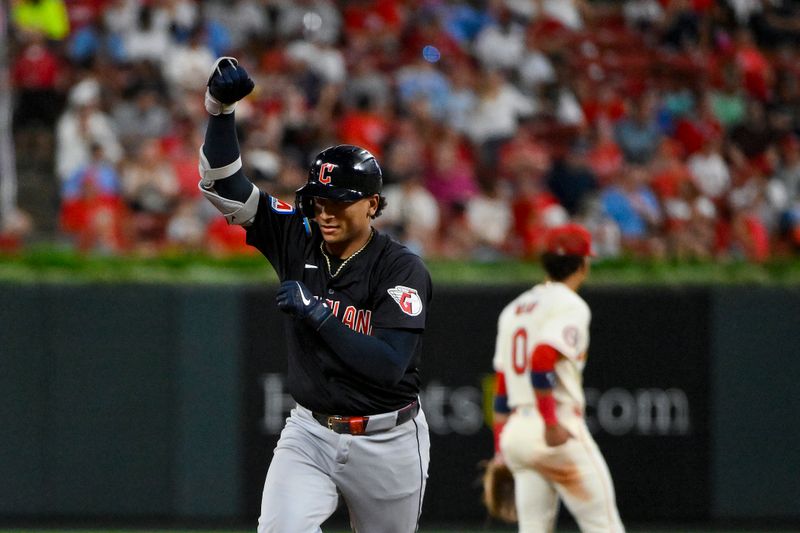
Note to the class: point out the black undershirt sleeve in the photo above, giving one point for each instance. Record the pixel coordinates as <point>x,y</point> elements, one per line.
<point>221,148</point>
<point>382,357</point>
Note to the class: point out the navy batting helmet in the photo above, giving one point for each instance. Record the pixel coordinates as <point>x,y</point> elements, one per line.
<point>345,173</point>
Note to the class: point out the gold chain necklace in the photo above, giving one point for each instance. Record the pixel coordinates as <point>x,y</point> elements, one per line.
<point>328,261</point>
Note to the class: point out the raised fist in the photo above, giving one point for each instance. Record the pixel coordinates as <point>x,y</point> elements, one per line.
<point>228,83</point>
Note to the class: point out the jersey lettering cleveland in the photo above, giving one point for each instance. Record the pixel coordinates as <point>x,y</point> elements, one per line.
<point>549,313</point>
<point>385,286</point>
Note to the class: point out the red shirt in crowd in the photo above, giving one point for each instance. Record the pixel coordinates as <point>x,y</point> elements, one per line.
<point>366,129</point>
<point>36,68</point>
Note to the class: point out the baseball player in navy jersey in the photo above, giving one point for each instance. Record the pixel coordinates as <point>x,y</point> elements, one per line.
<point>356,304</point>
<point>540,430</point>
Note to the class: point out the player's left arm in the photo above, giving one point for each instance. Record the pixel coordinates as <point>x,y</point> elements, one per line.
<point>501,410</point>
<point>382,357</point>
<point>543,379</point>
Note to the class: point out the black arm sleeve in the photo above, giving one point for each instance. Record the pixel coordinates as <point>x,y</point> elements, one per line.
<point>383,357</point>
<point>221,148</point>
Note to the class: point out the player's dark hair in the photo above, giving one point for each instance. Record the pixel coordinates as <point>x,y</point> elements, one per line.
<point>560,267</point>
<point>381,206</point>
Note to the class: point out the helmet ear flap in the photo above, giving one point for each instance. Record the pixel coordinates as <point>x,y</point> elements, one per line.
<point>305,205</point>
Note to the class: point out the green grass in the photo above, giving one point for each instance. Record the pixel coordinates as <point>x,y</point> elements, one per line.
<point>49,264</point>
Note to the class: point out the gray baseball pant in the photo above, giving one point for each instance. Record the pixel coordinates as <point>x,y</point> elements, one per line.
<point>381,477</point>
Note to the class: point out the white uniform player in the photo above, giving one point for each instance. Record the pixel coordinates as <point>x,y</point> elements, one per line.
<point>541,433</point>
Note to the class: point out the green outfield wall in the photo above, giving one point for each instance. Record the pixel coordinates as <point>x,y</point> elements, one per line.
<point>152,402</point>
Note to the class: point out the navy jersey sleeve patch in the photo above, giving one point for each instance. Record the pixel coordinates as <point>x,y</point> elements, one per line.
<point>281,207</point>
<point>407,298</point>
<point>403,296</point>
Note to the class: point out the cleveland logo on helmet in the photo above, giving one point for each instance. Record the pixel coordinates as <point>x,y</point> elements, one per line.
<point>407,298</point>
<point>325,171</point>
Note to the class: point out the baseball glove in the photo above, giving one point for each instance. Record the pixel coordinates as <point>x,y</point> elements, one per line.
<point>498,491</point>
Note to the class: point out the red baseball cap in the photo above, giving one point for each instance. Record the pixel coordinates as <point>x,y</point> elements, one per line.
<point>569,239</point>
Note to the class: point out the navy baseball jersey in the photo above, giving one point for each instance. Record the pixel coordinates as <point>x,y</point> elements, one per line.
<point>384,285</point>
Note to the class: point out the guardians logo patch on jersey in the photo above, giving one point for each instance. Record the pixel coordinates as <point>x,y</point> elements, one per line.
<point>279,206</point>
<point>571,336</point>
<point>407,298</point>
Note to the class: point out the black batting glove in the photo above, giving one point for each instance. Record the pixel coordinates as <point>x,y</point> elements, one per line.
<point>228,83</point>
<point>295,299</point>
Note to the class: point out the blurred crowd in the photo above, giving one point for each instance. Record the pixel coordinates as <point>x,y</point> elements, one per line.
<point>668,127</point>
